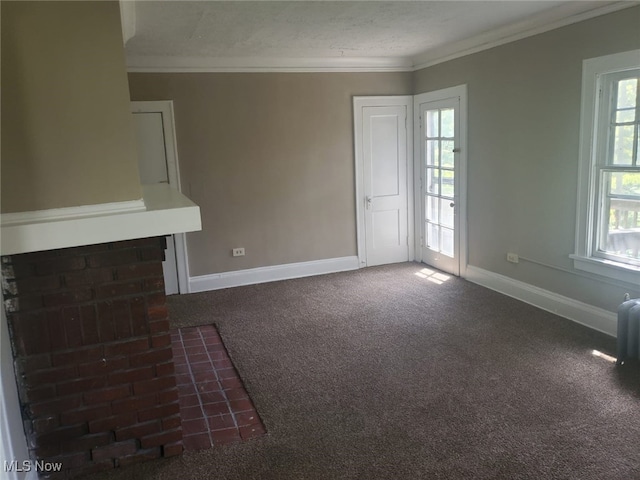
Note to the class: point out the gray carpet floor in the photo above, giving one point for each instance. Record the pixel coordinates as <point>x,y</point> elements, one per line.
<point>382,374</point>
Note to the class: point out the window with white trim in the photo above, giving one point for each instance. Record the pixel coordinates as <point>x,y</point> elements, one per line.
<point>608,230</point>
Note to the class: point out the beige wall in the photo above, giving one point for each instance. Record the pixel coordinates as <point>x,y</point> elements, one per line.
<point>524,118</point>
<point>269,159</point>
<point>67,137</point>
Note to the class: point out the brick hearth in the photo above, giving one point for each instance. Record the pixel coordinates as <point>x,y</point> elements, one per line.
<point>90,335</point>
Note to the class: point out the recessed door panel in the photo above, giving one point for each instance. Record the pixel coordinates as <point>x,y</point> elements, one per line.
<point>151,148</point>
<point>386,229</point>
<point>385,166</point>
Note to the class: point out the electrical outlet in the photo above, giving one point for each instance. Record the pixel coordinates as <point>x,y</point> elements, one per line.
<point>238,252</point>
<point>513,257</point>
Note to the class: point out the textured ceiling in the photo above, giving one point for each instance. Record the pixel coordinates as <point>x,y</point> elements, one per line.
<point>323,29</point>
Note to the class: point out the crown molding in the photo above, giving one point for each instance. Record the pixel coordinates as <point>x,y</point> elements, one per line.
<point>175,64</point>
<point>567,14</point>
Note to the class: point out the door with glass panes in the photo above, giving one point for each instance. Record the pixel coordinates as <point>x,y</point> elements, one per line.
<point>440,183</point>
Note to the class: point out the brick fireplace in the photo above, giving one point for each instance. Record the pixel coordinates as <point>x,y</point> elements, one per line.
<point>92,353</point>
<point>82,239</point>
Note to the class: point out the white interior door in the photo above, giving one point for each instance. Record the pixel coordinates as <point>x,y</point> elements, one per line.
<point>153,166</point>
<point>441,197</point>
<point>382,147</point>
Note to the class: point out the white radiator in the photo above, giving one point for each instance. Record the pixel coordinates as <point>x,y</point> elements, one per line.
<point>628,330</point>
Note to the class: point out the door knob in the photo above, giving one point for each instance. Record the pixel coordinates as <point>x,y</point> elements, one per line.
<point>369,201</point>
<point>452,204</point>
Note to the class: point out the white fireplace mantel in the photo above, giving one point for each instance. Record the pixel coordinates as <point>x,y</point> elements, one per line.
<point>162,211</point>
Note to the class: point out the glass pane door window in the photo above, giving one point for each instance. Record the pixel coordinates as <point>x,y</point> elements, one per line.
<point>439,188</point>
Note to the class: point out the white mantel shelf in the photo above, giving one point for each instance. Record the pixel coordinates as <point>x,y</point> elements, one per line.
<point>162,211</point>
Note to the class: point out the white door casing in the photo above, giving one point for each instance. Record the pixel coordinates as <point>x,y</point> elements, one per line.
<point>152,164</point>
<point>440,172</point>
<point>384,179</point>
<point>158,163</point>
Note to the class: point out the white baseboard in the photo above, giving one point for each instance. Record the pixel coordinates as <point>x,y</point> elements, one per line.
<point>582,313</point>
<point>252,276</point>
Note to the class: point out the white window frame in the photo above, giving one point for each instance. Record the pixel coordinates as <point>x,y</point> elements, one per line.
<point>592,141</point>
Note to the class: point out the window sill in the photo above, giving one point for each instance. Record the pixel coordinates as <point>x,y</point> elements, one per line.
<point>619,271</point>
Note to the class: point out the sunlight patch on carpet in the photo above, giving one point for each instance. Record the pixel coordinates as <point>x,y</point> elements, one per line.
<point>431,275</point>
<point>604,356</point>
